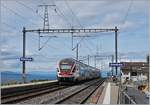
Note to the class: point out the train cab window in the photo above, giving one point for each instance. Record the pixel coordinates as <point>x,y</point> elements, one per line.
<point>65,67</point>
<point>133,73</point>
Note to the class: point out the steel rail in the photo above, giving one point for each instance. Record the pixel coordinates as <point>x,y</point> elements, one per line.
<point>65,99</point>
<point>14,98</point>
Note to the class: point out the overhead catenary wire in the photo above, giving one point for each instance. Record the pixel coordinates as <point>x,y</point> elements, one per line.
<point>37,53</point>
<point>47,44</point>
<point>72,12</point>
<point>29,8</point>
<point>89,48</point>
<point>76,20</point>
<point>44,44</point>
<point>63,16</point>
<point>17,14</point>
<point>40,48</point>
<point>56,48</point>
<point>10,26</point>
<point>127,13</point>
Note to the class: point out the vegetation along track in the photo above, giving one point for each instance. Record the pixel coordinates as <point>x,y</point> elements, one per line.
<point>23,95</point>
<point>80,96</point>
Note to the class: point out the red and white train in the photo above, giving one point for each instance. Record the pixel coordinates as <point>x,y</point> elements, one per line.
<point>71,70</point>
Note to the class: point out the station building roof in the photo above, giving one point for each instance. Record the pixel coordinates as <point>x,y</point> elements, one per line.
<point>135,66</point>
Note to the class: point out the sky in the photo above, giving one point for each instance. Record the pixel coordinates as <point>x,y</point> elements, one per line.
<point>130,16</point>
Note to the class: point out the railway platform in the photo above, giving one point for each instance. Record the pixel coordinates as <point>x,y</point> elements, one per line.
<point>110,94</point>
<point>107,93</point>
<point>10,89</point>
<point>27,84</point>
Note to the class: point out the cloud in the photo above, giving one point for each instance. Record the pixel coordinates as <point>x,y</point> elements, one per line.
<point>93,14</point>
<point>9,58</point>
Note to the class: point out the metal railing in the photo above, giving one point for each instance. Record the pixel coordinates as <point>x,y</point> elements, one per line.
<point>126,99</point>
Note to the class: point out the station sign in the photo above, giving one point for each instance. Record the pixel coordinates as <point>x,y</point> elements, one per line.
<point>26,59</point>
<point>115,64</point>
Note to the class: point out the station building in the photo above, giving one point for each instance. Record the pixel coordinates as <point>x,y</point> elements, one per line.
<point>134,71</point>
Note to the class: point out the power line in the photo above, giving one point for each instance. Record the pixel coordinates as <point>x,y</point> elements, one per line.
<point>91,44</point>
<point>18,14</point>
<point>89,48</point>
<point>63,16</point>
<point>1,30</point>
<point>28,8</point>
<point>42,18</point>
<point>76,19</point>
<point>127,13</point>
<point>66,18</point>
<point>47,43</point>
<point>73,14</point>
<point>10,26</point>
<point>56,48</point>
<point>41,47</point>
<point>22,18</point>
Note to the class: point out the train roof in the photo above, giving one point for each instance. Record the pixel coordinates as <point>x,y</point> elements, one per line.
<point>74,61</point>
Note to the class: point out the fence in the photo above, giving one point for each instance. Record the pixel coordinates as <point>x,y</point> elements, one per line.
<point>126,99</point>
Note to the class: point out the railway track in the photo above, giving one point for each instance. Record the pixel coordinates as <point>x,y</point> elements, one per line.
<point>24,95</point>
<point>80,96</point>
<point>54,94</point>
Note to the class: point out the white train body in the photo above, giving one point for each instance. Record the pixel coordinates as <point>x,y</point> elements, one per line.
<point>69,69</point>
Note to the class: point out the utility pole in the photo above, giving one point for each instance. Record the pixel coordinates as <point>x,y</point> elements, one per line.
<point>77,52</point>
<point>116,48</point>
<point>95,60</point>
<point>72,40</point>
<point>112,68</point>
<point>46,22</point>
<point>72,37</point>
<point>147,59</point>
<point>24,55</point>
<point>88,59</point>
<point>46,17</point>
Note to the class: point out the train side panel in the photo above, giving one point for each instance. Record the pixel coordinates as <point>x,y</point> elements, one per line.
<point>81,72</point>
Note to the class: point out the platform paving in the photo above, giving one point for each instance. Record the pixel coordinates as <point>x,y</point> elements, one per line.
<point>96,95</point>
<point>114,93</point>
<point>101,98</point>
<point>109,94</point>
<point>27,84</point>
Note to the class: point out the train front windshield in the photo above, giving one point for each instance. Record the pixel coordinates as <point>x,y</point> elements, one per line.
<point>65,67</point>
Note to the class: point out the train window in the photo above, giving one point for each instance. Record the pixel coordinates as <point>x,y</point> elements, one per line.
<point>133,73</point>
<point>65,67</point>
